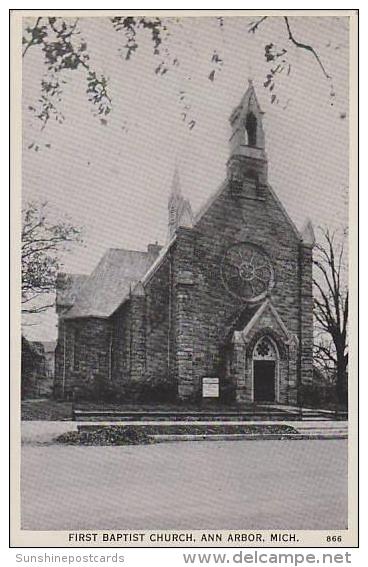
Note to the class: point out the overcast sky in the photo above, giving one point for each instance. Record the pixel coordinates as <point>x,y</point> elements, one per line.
<point>114,179</point>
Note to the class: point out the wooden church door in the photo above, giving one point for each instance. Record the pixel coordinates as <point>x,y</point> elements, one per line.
<point>264,371</point>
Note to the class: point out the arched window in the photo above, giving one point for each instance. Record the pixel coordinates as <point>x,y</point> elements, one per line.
<point>251,128</point>
<point>265,350</point>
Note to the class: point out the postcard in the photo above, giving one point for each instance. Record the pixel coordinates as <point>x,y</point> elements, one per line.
<point>184,240</point>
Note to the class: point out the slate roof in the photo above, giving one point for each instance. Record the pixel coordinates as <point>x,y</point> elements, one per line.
<point>110,282</point>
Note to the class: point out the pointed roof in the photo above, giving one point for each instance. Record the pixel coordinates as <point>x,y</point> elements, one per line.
<point>240,321</point>
<point>265,306</point>
<point>223,187</point>
<point>138,290</point>
<point>110,283</point>
<point>249,101</point>
<point>175,192</point>
<point>160,258</point>
<point>185,215</point>
<point>180,210</point>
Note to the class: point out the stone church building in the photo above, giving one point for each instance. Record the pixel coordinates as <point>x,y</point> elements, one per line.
<point>228,298</point>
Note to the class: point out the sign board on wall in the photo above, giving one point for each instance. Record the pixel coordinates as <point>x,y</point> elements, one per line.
<point>210,388</point>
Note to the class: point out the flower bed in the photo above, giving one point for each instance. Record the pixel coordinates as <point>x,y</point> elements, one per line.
<point>144,434</point>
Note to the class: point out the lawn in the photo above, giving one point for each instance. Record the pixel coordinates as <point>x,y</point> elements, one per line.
<point>52,410</point>
<point>45,409</point>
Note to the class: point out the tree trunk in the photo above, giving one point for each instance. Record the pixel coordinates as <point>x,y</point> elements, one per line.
<point>341,379</point>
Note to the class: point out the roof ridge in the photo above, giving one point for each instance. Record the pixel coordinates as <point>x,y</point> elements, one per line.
<point>72,274</point>
<point>127,250</point>
<point>284,211</point>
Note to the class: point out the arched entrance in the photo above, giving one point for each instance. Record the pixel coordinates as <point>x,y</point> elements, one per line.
<point>265,370</point>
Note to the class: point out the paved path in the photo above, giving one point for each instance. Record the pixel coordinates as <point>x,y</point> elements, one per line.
<point>33,432</point>
<point>218,485</point>
<point>44,431</point>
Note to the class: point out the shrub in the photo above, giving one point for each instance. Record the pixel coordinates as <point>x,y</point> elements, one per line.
<point>98,389</point>
<point>113,435</point>
<point>321,396</point>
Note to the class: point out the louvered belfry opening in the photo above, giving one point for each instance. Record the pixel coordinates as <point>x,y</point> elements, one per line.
<point>251,128</point>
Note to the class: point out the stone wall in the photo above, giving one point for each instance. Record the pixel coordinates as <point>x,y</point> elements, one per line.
<point>138,335</point>
<point>159,347</point>
<point>82,356</point>
<point>184,308</point>
<point>206,311</point>
<point>121,345</point>
<point>178,328</point>
<point>129,346</point>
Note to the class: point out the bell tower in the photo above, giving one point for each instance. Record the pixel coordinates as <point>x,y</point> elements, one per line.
<point>247,163</point>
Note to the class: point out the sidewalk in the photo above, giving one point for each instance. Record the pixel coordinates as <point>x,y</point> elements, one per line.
<point>35,432</point>
<point>44,431</point>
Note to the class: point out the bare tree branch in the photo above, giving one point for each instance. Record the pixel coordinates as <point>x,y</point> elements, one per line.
<point>331,309</point>
<point>42,242</point>
<point>306,47</point>
<point>38,309</point>
<point>253,26</point>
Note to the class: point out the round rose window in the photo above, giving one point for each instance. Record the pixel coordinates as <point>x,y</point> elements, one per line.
<point>247,271</point>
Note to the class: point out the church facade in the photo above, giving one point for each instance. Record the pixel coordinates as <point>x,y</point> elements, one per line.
<point>227,300</point>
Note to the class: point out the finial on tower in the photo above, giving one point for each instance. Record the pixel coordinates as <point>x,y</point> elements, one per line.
<point>250,74</point>
<point>175,184</point>
<point>308,236</point>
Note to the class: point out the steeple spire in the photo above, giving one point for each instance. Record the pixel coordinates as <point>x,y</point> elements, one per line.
<point>179,209</point>
<point>250,74</point>
<point>247,142</point>
<point>246,122</point>
<point>175,183</point>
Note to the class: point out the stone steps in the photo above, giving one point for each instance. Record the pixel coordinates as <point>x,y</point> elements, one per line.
<point>205,415</point>
<point>301,425</point>
<point>251,437</point>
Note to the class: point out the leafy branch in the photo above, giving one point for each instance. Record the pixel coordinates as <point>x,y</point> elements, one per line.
<point>63,50</point>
